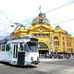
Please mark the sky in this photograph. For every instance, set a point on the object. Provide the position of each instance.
(17, 11)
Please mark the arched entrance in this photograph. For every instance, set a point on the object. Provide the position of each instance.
(43, 48)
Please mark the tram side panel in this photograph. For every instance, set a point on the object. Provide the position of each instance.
(5, 55)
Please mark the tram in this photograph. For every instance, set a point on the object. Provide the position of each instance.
(19, 52)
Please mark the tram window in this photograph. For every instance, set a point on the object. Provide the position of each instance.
(14, 52)
(21, 47)
(0, 48)
(26, 47)
(7, 47)
(32, 47)
(3, 47)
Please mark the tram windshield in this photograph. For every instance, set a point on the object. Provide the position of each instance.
(32, 46)
(29, 47)
(23, 47)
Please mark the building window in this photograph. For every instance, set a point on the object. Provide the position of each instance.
(63, 43)
(43, 35)
(56, 43)
(56, 48)
(42, 46)
(71, 50)
(55, 37)
(62, 38)
(47, 35)
(63, 48)
(35, 35)
(39, 35)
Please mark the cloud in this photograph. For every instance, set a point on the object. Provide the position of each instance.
(20, 10)
(71, 1)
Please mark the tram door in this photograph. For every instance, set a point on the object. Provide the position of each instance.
(15, 50)
(21, 55)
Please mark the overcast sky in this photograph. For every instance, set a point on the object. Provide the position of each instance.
(21, 10)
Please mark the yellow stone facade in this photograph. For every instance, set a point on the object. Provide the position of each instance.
(51, 40)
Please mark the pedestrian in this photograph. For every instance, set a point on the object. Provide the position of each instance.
(55, 56)
(67, 56)
(63, 55)
(71, 57)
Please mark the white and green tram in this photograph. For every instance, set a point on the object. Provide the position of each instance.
(19, 52)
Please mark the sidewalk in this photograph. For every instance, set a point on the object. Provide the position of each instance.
(50, 59)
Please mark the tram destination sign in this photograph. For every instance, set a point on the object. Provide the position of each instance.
(33, 39)
(3, 41)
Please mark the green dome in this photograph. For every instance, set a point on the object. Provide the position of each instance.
(41, 19)
(57, 27)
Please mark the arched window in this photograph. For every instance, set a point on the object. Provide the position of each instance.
(42, 46)
(55, 37)
(56, 43)
(62, 38)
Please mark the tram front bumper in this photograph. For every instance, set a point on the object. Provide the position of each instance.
(35, 62)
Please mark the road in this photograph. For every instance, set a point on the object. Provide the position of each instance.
(49, 67)
(68, 62)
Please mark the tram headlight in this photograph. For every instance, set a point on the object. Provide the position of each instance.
(31, 58)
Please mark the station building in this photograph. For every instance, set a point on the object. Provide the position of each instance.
(50, 40)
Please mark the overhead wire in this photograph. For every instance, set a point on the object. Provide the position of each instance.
(54, 24)
(35, 16)
(27, 19)
(59, 7)
(4, 24)
(64, 21)
(52, 10)
(5, 29)
(5, 16)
